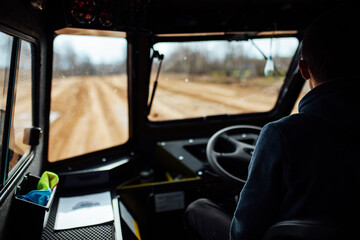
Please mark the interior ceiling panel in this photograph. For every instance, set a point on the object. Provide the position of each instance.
(190, 16)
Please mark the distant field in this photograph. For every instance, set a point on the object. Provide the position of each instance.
(90, 113)
(179, 97)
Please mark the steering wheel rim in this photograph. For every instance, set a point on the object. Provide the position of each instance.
(243, 151)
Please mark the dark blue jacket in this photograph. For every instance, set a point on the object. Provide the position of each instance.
(306, 165)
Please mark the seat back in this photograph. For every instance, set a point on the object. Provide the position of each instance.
(301, 230)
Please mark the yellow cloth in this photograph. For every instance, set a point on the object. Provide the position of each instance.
(48, 180)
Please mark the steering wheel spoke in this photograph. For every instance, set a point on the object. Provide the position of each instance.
(232, 140)
(242, 153)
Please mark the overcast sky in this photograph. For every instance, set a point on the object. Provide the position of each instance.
(108, 49)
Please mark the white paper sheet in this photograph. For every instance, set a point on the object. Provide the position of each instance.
(85, 210)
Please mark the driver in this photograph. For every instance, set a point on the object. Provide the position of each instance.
(306, 165)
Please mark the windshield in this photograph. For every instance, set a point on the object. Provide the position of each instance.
(89, 104)
(199, 79)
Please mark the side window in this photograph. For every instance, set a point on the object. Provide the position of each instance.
(22, 115)
(5, 59)
(89, 103)
(15, 103)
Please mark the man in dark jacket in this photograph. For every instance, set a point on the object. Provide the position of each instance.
(307, 165)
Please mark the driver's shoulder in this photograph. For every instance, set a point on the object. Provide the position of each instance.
(295, 122)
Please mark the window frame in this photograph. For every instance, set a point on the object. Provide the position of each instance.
(7, 178)
(77, 161)
(290, 74)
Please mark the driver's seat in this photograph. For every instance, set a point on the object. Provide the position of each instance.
(301, 230)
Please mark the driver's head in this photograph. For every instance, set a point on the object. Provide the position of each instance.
(331, 46)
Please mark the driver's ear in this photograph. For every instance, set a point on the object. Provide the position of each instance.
(304, 69)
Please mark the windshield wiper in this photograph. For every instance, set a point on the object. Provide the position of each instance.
(159, 56)
(267, 59)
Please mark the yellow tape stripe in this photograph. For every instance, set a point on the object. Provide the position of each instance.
(121, 187)
(137, 232)
(168, 177)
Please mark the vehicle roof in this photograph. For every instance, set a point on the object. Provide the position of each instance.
(228, 15)
(194, 16)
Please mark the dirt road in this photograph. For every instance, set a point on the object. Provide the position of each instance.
(91, 113)
(87, 114)
(179, 98)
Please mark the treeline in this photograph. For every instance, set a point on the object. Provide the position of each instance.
(234, 64)
(183, 60)
(71, 64)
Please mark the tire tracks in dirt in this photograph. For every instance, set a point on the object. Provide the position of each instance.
(93, 115)
(196, 99)
(70, 103)
(92, 111)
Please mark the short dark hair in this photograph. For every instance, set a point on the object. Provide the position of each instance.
(331, 46)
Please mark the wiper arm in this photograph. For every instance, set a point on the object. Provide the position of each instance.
(159, 56)
(265, 57)
(260, 51)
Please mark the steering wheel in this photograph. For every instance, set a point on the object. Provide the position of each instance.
(232, 146)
